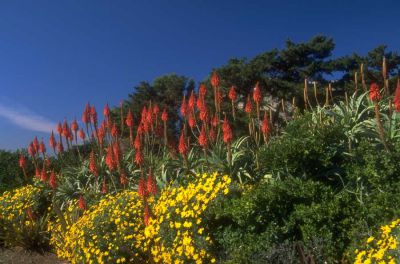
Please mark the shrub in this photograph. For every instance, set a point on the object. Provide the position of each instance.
(382, 249)
(176, 233)
(23, 215)
(109, 232)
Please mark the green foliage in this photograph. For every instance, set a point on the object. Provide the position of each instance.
(11, 175)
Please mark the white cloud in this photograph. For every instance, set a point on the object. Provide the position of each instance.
(27, 119)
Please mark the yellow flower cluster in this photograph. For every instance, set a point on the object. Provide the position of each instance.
(382, 249)
(175, 233)
(17, 208)
(108, 232)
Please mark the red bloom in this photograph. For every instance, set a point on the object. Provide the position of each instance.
(164, 115)
(214, 121)
(214, 80)
(149, 116)
(156, 109)
(117, 153)
(264, 125)
(129, 119)
(106, 111)
(227, 131)
(138, 142)
(151, 185)
(104, 188)
(142, 191)
(249, 106)
(114, 130)
(396, 99)
(82, 203)
(93, 116)
(86, 114)
(143, 115)
(74, 126)
(59, 128)
(93, 164)
(184, 107)
(183, 149)
(191, 121)
(110, 162)
(43, 175)
(139, 160)
(200, 104)
(52, 140)
(37, 173)
(36, 144)
(22, 161)
(192, 101)
(374, 92)
(202, 90)
(123, 179)
(203, 137)
(232, 93)
(257, 93)
(42, 147)
(82, 134)
(65, 129)
(52, 180)
(204, 114)
(31, 150)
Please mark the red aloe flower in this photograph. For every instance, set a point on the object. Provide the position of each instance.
(53, 142)
(123, 179)
(110, 162)
(60, 147)
(200, 104)
(52, 180)
(93, 116)
(74, 126)
(202, 90)
(129, 119)
(164, 115)
(138, 142)
(82, 203)
(36, 144)
(227, 131)
(31, 150)
(37, 173)
(151, 185)
(104, 189)
(114, 130)
(92, 164)
(191, 120)
(249, 106)
(214, 121)
(232, 94)
(86, 114)
(106, 111)
(100, 136)
(265, 125)
(117, 153)
(144, 115)
(65, 129)
(184, 107)
(146, 216)
(396, 99)
(59, 128)
(156, 109)
(42, 147)
(183, 148)
(374, 92)
(139, 160)
(82, 134)
(142, 191)
(214, 80)
(192, 101)
(257, 93)
(203, 137)
(43, 175)
(22, 161)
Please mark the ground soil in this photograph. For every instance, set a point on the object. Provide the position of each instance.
(21, 256)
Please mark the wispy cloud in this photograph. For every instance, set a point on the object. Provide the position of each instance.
(26, 119)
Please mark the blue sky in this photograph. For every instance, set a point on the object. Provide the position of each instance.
(57, 55)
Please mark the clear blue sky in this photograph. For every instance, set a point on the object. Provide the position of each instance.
(57, 55)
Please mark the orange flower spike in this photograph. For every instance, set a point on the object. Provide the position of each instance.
(146, 216)
(214, 80)
(43, 175)
(249, 106)
(22, 161)
(82, 134)
(142, 191)
(202, 90)
(164, 115)
(93, 116)
(59, 128)
(156, 109)
(52, 140)
(203, 138)
(42, 147)
(82, 203)
(227, 131)
(192, 101)
(151, 185)
(184, 107)
(74, 126)
(232, 94)
(191, 121)
(93, 164)
(106, 111)
(257, 93)
(139, 160)
(123, 179)
(374, 92)
(183, 149)
(265, 125)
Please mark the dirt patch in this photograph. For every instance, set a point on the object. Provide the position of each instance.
(21, 256)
